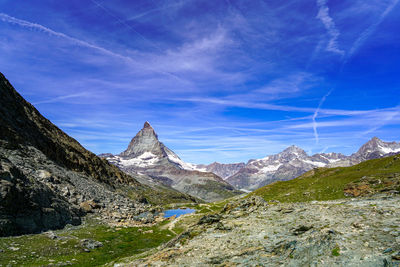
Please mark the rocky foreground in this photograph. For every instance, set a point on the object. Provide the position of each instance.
(252, 232)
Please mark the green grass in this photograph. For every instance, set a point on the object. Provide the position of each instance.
(39, 250)
(336, 251)
(202, 208)
(328, 183)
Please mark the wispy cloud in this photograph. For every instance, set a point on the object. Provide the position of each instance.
(64, 97)
(333, 32)
(384, 121)
(266, 106)
(37, 27)
(41, 28)
(314, 117)
(371, 29)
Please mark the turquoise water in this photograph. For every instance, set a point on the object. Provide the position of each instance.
(177, 212)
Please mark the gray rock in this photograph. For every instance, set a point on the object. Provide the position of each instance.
(210, 219)
(91, 244)
(301, 229)
(388, 250)
(51, 235)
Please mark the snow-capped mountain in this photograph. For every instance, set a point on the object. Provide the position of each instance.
(147, 156)
(286, 165)
(376, 148)
(293, 161)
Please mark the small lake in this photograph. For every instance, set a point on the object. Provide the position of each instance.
(177, 212)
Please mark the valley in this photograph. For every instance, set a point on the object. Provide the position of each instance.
(61, 205)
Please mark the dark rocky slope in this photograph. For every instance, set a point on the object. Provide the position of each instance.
(22, 124)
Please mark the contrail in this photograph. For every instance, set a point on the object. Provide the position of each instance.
(126, 24)
(316, 114)
(41, 28)
(333, 32)
(34, 26)
(58, 98)
(370, 30)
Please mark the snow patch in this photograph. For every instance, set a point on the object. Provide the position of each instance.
(187, 166)
(270, 168)
(315, 163)
(144, 160)
(388, 150)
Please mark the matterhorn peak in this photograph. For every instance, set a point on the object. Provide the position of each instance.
(146, 140)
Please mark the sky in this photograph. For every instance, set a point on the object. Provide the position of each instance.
(224, 80)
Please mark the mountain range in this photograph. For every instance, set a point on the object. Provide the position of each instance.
(294, 161)
(146, 155)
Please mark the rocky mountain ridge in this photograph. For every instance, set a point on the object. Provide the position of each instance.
(146, 155)
(294, 161)
(286, 165)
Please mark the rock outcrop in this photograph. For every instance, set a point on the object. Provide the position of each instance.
(28, 206)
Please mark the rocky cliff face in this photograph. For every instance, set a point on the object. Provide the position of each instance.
(46, 176)
(27, 206)
(148, 156)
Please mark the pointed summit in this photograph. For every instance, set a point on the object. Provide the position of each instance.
(372, 144)
(376, 148)
(294, 150)
(375, 139)
(146, 140)
(147, 125)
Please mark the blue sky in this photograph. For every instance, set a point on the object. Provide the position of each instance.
(219, 80)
